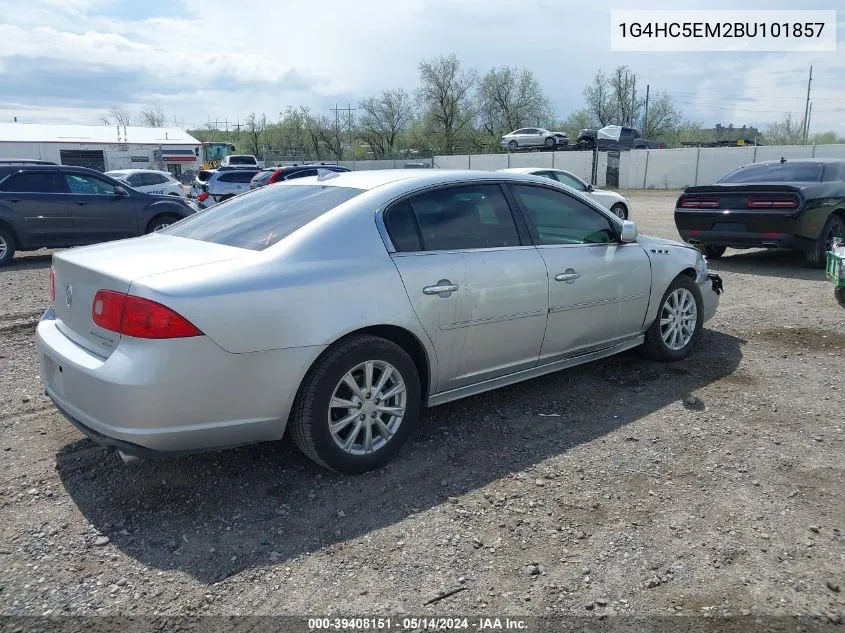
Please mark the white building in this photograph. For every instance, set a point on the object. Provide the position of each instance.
(102, 147)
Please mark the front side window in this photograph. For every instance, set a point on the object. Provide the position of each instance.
(31, 182)
(561, 219)
(455, 218)
(263, 217)
(88, 185)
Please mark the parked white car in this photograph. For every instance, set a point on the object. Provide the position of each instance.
(534, 137)
(240, 160)
(150, 181)
(611, 200)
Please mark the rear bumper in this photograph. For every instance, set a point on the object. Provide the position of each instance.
(176, 396)
(740, 230)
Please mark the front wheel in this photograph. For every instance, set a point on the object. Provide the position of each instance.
(161, 222)
(839, 293)
(677, 327)
(550, 141)
(7, 247)
(358, 405)
(513, 145)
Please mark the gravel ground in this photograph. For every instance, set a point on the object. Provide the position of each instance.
(714, 486)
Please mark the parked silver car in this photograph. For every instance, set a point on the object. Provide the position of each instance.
(534, 137)
(224, 183)
(341, 304)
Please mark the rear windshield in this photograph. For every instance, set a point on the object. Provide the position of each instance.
(241, 160)
(259, 219)
(776, 172)
(204, 175)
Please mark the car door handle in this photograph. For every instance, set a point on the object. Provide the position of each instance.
(80, 204)
(444, 288)
(14, 200)
(569, 276)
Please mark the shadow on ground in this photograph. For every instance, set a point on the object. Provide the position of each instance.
(768, 263)
(28, 262)
(216, 515)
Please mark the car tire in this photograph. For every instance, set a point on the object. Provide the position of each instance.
(7, 246)
(713, 252)
(834, 227)
(619, 210)
(550, 142)
(660, 342)
(161, 221)
(513, 145)
(839, 293)
(344, 449)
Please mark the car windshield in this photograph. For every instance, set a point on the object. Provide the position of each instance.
(776, 172)
(263, 217)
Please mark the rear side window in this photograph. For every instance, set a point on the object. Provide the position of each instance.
(455, 218)
(302, 173)
(31, 182)
(262, 217)
(262, 177)
(776, 172)
(236, 176)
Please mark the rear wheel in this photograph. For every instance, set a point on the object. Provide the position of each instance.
(7, 247)
(161, 222)
(817, 255)
(677, 327)
(358, 405)
(839, 293)
(714, 252)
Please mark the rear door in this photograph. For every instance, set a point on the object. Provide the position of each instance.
(479, 290)
(39, 207)
(598, 287)
(99, 214)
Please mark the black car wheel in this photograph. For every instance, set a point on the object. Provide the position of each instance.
(7, 247)
(550, 141)
(357, 406)
(619, 210)
(817, 255)
(513, 145)
(161, 222)
(714, 252)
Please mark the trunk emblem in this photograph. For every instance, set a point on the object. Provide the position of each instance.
(68, 295)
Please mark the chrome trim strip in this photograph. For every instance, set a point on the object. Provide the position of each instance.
(592, 304)
(495, 319)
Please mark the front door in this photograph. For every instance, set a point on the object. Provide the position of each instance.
(479, 291)
(598, 287)
(37, 200)
(99, 214)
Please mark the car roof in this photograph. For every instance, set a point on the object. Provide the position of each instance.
(128, 172)
(373, 179)
(811, 161)
(531, 170)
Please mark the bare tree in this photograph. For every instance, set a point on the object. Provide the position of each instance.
(663, 116)
(384, 118)
(626, 106)
(575, 122)
(118, 115)
(599, 96)
(510, 98)
(153, 116)
(445, 93)
(787, 131)
(255, 128)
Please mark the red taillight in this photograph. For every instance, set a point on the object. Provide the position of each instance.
(700, 203)
(771, 203)
(138, 317)
(203, 196)
(52, 285)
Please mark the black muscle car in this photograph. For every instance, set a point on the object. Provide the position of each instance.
(793, 204)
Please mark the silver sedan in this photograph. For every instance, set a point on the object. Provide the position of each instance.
(339, 305)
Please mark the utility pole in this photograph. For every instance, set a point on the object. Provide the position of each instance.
(633, 101)
(645, 117)
(807, 106)
(337, 110)
(809, 115)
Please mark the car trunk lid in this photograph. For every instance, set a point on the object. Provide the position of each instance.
(80, 273)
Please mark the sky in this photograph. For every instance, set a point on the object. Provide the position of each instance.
(69, 61)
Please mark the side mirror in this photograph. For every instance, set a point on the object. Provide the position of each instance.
(589, 189)
(629, 232)
(119, 192)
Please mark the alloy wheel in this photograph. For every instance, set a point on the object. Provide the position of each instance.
(367, 407)
(678, 318)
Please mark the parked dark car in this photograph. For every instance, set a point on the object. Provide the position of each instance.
(794, 204)
(55, 206)
(276, 174)
(24, 161)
